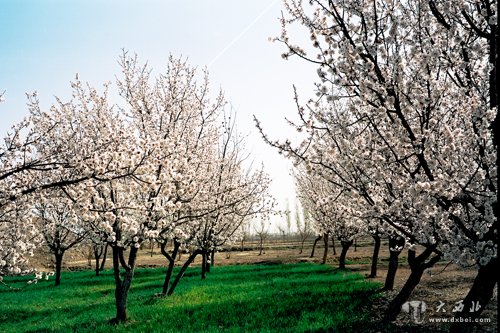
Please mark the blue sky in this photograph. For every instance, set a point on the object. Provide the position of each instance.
(45, 43)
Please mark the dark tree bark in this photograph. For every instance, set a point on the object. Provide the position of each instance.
(418, 265)
(376, 250)
(355, 245)
(333, 246)
(97, 256)
(203, 265)
(325, 252)
(171, 263)
(182, 271)
(396, 245)
(58, 258)
(212, 258)
(122, 284)
(314, 245)
(99, 251)
(345, 248)
(481, 292)
(104, 256)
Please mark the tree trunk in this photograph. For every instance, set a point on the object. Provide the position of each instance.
(417, 267)
(302, 245)
(333, 245)
(208, 261)
(396, 245)
(203, 265)
(355, 245)
(212, 258)
(261, 246)
(104, 256)
(345, 248)
(171, 264)
(58, 258)
(122, 286)
(325, 252)
(314, 245)
(97, 256)
(182, 271)
(376, 250)
(480, 293)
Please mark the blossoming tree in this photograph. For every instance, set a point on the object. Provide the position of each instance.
(417, 80)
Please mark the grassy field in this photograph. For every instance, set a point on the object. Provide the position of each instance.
(240, 298)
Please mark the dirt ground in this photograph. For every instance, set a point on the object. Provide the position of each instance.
(443, 285)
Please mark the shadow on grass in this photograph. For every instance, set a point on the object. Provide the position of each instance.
(253, 298)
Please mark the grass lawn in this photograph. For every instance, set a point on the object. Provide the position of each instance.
(244, 298)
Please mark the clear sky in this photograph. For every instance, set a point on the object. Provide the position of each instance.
(45, 43)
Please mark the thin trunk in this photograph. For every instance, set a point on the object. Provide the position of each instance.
(376, 250)
(314, 245)
(182, 271)
(261, 246)
(58, 257)
(417, 266)
(478, 297)
(122, 286)
(333, 245)
(97, 256)
(302, 245)
(207, 263)
(325, 252)
(171, 263)
(104, 256)
(152, 249)
(89, 257)
(345, 248)
(355, 245)
(203, 265)
(212, 258)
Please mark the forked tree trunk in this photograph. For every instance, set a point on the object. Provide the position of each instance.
(58, 258)
(261, 246)
(325, 252)
(99, 251)
(396, 245)
(314, 245)
(182, 271)
(417, 265)
(376, 250)
(345, 248)
(171, 263)
(122, 285)
(480, 293)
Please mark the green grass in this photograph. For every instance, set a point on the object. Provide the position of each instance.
(246, 298)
